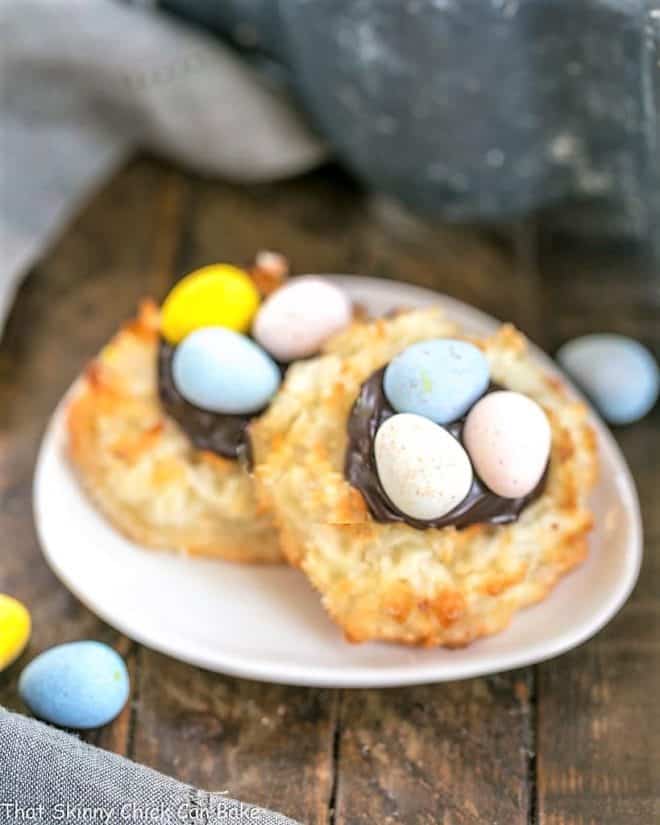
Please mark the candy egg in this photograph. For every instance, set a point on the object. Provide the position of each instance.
(439, 379)
(224, 372)
(218, 295)
(15, 628)
(296, 320)
(620, 375)
(508, 437)
(76, 685)
(423, 469)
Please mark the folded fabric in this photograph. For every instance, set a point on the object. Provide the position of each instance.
(473, 110)
(464, 111)
(49, 776)
(85, 83)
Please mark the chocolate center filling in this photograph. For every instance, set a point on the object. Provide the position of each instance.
(370, 410)
(226, 435)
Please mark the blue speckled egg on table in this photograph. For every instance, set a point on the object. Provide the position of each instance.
(439, 379)
(224, 372)
(76, 685)
(619, 375)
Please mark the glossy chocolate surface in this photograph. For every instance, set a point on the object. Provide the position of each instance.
(480, 506)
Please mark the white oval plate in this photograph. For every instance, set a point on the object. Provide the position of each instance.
(267, 623)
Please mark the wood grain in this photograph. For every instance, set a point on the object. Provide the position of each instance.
(311, 220)
(456, 754)
(71, 303)
(267, 744)
(598, 716)
(573, 741)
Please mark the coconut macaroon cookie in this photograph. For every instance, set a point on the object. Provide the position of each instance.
(159, 425)
(429, 484)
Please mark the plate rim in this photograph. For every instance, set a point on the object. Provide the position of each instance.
(356, 676)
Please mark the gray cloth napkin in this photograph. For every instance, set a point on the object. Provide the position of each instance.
(84, 82)
(49, 776)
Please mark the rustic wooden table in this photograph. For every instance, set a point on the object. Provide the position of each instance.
(575, 740)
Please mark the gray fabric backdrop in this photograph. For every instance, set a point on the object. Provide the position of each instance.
(467, 110)
(83, 83)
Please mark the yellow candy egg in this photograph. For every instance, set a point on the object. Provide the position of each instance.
(219, 295)
(15, 628)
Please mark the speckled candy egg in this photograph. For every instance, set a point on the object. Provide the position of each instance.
(216, 295)
(77, 685)
(15, 627)
(296, 320)
(224, 372)
(439, 379)
(508, 438)
(423, 469)
(618, 374)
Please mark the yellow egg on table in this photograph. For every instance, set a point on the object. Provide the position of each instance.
(218, 295)
(15, 628)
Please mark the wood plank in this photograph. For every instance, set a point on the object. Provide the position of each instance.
(312, 220)
(610, 286)
(456, 754)
(261, 743)
(599, 724)
(492, 271)
(86, 285)
(598, 715)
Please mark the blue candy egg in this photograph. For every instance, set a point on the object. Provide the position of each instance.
(77, 685)
(618, 374)
(439, 379)
(222, 371)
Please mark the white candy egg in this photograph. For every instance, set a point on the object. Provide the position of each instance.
(508, 438)
(424, 470)
(297, 319)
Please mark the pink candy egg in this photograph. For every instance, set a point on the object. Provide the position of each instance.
(508, 438)
(297, 319)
